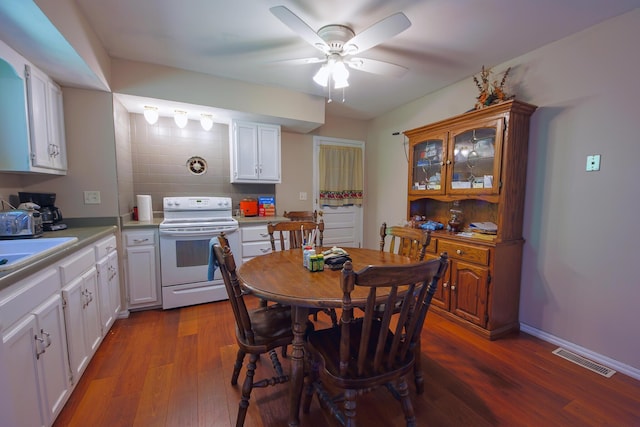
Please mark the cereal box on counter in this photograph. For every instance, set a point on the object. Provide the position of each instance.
(266, 206)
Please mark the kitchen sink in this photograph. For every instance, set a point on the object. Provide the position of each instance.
(20, 252)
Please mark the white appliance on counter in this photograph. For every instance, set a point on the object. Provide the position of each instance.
(188, 226)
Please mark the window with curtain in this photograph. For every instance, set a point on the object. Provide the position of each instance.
(340, 175)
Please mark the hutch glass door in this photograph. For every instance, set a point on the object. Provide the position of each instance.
(427, 166)
(475, 165)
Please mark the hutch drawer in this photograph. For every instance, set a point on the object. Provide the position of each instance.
(464, 252)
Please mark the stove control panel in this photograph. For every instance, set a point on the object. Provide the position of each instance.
(196, 203)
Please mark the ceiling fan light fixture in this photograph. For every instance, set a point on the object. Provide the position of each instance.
(206, 121)
(340, 75)
(322, 76)
(340, 83)
(180, 118)
(151, 114)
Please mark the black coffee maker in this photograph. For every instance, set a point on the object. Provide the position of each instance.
(50, 214)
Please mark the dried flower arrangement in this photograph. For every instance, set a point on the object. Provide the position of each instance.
(490, 92)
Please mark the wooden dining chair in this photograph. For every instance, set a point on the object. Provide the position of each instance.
(364, 353)
(301, 215)
(413, 243)
(407, 241)
(258, 331)
(299, 232)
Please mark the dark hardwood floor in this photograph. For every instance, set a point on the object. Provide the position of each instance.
(172, 368)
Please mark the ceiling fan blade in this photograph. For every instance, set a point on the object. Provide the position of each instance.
(377, 33)
(300, 61)
(376, 67)
(299, 27)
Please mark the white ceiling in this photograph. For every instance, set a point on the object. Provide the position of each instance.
(449, 40)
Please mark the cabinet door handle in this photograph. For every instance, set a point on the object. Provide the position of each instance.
(264, 234)
(453, 287)
(47, 336)
(39, 347)
(445, 285)
(265, 250)
(140, 240)
(459, 251)
(448, 162)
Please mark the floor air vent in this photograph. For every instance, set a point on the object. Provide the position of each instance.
(585, 363)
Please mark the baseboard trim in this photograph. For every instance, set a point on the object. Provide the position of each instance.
(596, 357)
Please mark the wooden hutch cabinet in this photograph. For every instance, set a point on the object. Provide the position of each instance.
(474, 167)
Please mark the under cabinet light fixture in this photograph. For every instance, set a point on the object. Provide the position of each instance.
(151, 114)
(180, 117)
(206, 121)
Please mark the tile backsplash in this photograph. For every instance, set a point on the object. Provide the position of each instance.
(160, 156)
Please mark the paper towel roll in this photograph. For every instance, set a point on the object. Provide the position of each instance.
(145, 209)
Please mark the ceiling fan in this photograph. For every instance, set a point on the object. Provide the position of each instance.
(341, 45)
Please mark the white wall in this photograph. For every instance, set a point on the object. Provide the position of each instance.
(579, 282)
(91, 157)
(297, 161)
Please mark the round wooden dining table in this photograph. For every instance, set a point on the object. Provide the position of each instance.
(281, 277)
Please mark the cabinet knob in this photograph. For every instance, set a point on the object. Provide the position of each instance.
(445, 285)
(453, 287)
(448, 162)
(459, 252)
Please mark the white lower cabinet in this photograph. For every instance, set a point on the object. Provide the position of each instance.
(255, 241)
(82, 315)
(51, 324)
(108, 282)
(142, 268)
(34, 353)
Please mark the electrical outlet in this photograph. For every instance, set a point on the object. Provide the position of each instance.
(303, 195)
(593, 163)
(92, 197)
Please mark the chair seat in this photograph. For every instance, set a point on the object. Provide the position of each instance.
(326, 344)
(271, 326)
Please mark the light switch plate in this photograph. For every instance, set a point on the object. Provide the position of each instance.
(303, 195)
(92, 197)
(593, 162)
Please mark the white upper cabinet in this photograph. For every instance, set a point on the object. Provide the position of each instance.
(255, 153)
(45, 120)
(32, 137)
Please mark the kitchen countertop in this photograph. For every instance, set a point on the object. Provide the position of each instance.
(142, 224)
(85, 235)
(242, 220)
(259, 219)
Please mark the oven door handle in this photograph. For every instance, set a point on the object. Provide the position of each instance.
(196, 233)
